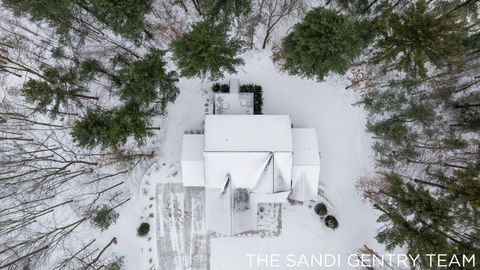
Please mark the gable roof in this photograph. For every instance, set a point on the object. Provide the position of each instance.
(248, 133)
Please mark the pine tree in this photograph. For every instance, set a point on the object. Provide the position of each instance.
(426, 127)
(125, 17)
(467, 112)
(132, 119)
(421, 35)
(146, 81)
(93, 129)
(58, 13)
(464, 189)
(104, 217)
(325, 41)
(60, 87)
(206, 51)
(225, 9)
(415, 219)
(112, 128)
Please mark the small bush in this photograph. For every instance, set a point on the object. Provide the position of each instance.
(321, 209)
(104, 216)
(221, 88)
(257, 96)
(143, 229)
(331, 222)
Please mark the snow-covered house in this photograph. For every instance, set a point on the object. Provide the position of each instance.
(243, 160)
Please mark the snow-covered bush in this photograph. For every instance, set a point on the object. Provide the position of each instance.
(321, 209)
(143, 229)
(331, 222)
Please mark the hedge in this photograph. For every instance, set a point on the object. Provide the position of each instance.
(220, 88)
(257, 96)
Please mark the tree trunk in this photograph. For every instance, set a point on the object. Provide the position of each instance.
(86, 97)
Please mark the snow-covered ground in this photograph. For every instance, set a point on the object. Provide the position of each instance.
(345, 157)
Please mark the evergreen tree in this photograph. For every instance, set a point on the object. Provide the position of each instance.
(225, 9)
(91, 67)
(325, 41)
(132, 119)
(60, 87)
(419, 221)
(125, 17)
(464, 189)
(421, 35)
(146, 81)
(206, 50)
(93, 129)
(425, 127)
(467, 111)
(59, 14)
(104, 216)
(112, 128)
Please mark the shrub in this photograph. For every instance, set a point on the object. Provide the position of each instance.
(104, 216)
(221, 88)
(321, 209)
(331, 222)
(143, 229)
(257, 96)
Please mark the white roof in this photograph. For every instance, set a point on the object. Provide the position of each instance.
(305, 147)
(192, 160)
(248, 133)
(192, 147)
(305, 180)
(279, 197)
(244, 169)
(218, 211)
(230, 211)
